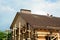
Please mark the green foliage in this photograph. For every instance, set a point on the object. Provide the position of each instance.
(2, 35)
(9, 36)
(5, 35)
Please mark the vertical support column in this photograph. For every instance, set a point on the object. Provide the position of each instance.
(29, 32)
(13, 34)
(35, 35)
(58, 36)
(19, 30)
(23, 37)
(15, 31)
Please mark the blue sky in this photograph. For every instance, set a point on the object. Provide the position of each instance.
(8, 9)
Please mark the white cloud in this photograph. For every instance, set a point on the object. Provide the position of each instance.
(38, 0)
(43, 7)
(7, 9)
(37, 6)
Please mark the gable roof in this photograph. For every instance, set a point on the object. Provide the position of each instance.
(40, 21)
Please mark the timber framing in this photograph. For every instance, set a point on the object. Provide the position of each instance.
(27, 26)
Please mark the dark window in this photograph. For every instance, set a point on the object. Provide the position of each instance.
(27, 26)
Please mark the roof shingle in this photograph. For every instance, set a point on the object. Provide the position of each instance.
(40, 20)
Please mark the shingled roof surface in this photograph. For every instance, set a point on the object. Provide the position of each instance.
(40, 20)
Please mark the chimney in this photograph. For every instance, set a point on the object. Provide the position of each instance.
(25, 11)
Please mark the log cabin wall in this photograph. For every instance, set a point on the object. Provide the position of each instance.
(18, 29)
(34, 34)
(22, 31)
(43, 33)
(15, 28)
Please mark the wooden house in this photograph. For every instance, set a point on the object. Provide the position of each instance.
(28, 26)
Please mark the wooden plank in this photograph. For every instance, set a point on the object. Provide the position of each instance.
(41, 39)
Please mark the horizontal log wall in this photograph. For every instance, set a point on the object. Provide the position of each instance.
(42, 34)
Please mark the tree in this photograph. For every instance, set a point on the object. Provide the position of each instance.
(5, 35)
(8, 36)
(2, 35)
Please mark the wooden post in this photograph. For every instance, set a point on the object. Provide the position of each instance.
(13, 34)
(15, 31)
(58, 36)
(34, 34)
(19, 30)
(29, 32)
